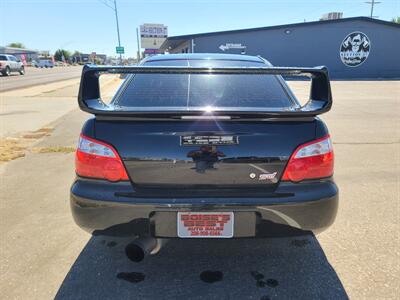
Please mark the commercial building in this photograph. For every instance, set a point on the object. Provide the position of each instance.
(86, 58)
(352, 48)
(27, 55)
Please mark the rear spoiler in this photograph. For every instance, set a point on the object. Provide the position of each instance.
(320, 100)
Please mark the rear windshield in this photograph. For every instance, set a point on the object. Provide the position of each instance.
(3, 57)
(203, 91)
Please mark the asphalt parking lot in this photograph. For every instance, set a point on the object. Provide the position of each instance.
(45, 255)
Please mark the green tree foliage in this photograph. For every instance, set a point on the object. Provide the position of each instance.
(98, 61)
(396, 20)
(16, 45)
(58, 56)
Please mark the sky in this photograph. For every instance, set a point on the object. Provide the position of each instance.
(89, 25)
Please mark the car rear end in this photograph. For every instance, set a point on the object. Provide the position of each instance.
(3, 63)
(186, 152)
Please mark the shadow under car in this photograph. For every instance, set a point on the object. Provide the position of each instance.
(282, 268)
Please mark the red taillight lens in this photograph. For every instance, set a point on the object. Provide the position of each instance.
(96, 159)
(310, 161)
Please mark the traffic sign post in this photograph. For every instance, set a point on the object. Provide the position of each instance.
(120, 50)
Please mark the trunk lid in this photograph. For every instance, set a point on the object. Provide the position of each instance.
(205, 154)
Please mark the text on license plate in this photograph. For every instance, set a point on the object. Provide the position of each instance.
(205, 224)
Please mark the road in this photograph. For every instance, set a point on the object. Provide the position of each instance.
(45, 255)
(36, 76)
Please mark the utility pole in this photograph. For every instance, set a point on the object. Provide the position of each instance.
(138, 45)
(372, 2)
(106, 3)
(119, 40)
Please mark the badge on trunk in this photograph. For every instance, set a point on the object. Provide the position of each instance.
(192, 140)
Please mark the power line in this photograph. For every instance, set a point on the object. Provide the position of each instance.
(372, 2)
(106, 4)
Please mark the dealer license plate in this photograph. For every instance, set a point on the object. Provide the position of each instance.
(205, 224)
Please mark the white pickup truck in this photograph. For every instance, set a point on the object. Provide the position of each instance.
(9, 63)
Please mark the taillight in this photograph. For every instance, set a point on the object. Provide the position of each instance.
(96, 159)
(310, 161)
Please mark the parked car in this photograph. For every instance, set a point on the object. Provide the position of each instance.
(9, 63)
(203, 146)
(43, 63)
(60, 64)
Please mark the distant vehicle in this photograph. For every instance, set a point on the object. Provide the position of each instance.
(43, 63)
(9, 63)
(203, 146)
(60, 64)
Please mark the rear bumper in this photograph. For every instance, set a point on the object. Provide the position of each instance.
(294, 209)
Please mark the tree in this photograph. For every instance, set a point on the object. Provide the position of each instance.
(16, 45)
(62, 55)
(76, 56)
(98, 61)
(396, 20)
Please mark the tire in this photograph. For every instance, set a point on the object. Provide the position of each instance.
(7, 71)
(22, 70)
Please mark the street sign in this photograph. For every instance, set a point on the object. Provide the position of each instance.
(120, 50)
(151, 51)
(153, 35)
(229, 46)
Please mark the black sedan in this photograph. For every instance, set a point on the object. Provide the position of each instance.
(203, 146)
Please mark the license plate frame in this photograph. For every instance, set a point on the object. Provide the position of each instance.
(205, 224)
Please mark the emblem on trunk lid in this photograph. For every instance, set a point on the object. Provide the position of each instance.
(190, 140)
(268, 176)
